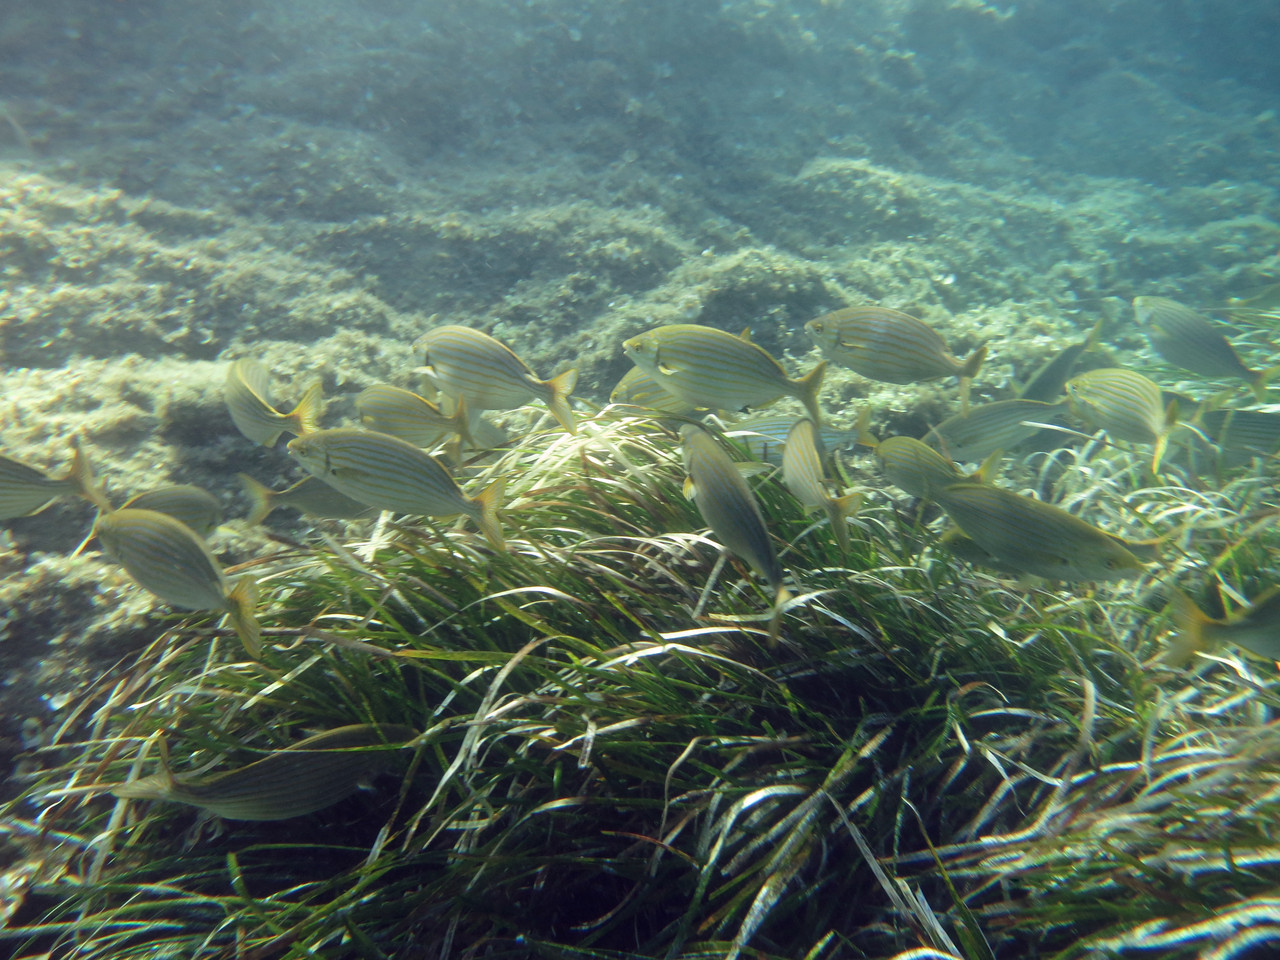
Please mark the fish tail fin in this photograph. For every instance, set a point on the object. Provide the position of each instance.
(82, 478)
(243, 598)
(460, 423)
(986, 470)
(261, 497)
(807, 388)
(775, 619)
(1260, 381)
(1190, 636)
(863, 426)
(838, 508)
(558, 402)
(1092, 337)
(305, 417)
(968, 370)
(1162, 441)
(488, 500)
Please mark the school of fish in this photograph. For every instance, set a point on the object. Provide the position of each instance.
(688, 379)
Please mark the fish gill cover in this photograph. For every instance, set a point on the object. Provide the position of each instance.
(937, 757)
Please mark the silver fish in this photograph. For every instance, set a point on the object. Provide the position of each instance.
(311, 496)
(404, 414)
(485, 372)
(248, 397)
(1187, 340)
(196, 507)
(392, 474)
(168, 559)
(310, 775)
(802, 473)
(727, 504)
(891, 346)
(711, 368)
(25, 490)
(1036, 537)
(973, 436)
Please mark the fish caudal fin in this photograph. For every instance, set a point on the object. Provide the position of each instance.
(460, 423)
(807, 388)
(488, 500)
(1260, 381)
(968, 370)
(1189, 631)
(82, 479)
(558, 402)
(261, 497)
(305, 417)
(863, 426)
(838, 508)
(243, 598)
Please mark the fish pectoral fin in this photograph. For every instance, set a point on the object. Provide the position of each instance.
(690, 491)
(666, 369)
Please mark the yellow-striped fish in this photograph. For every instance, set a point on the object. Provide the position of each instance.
(973, 436)
(641, 390)
(473, 366)
(25, 490)
(404, 414)
(710, 368)
(168, 559)
(891, 346)
(310, 775)
(248, 396)
(802, 473)
(311, 496)
(1256, 628)
(196, 507)
(1035, 537)
(765, 434)
(392, 474)
(912, 465)
(728, 506)
(1192, 342)
(1125, 404)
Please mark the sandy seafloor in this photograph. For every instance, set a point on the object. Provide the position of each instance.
(314, 184)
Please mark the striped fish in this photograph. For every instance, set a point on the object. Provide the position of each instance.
(308, 776)
(764, 436)
(1186, 339)
(1125, 404)
(25, 490)
(1033, 537)
(313, 497)
(196, 507)
(891, 346)
(710, 368)
(392, 474)
(973, 436)
(727, 504)
(166, 558)
(1047, 383)
(641, 390)
(912, 465)
(404, 414)
(1256, 628)
(802, 473)
(474, 367)
(248, 397)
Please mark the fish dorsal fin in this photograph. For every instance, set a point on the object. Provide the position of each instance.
(745, 334)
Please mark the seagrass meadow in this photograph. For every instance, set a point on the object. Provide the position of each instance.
(615, 755)
(615, 763)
